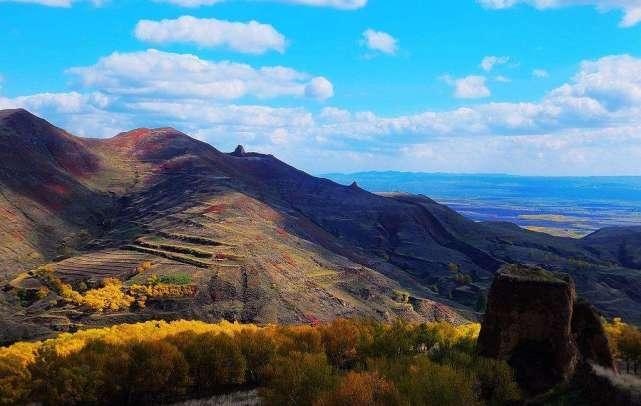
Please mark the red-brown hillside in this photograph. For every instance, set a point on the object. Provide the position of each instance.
(258, 239)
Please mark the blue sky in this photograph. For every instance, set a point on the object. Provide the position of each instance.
(547, 87)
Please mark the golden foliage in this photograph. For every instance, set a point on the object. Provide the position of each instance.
(109, 297)
(144, 266)
(362, 389)
(343, 362)
(298, 379)
(163, 290)
(625, 343)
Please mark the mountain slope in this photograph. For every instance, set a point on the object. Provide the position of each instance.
(254, 238)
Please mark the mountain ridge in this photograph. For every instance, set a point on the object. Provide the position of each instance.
(258, 239)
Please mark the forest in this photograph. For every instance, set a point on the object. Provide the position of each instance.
(344, 362)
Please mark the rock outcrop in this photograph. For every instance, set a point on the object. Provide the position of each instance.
(590, 336)
(534, 322)
(239, 151)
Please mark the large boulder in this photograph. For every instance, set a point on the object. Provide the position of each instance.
(528, 323)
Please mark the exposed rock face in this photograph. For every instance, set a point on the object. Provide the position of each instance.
(239, 151)
(534, 322)
(590, 336)
(528, 323)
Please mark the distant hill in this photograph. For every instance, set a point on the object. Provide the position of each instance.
(255, 239)
(562, 206)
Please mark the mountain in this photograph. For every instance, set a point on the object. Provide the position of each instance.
(255, 239)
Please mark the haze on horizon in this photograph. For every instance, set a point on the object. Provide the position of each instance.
(485, 86)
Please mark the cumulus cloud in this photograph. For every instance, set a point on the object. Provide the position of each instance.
(469, 87)
(631, 8)
(319, 88)
(54, 3)
(338, 4)
(251, 37)
(489, 62)
(590, 125)
(380, 41)
(154, 73)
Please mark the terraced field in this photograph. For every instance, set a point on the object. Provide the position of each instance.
(106, 264)
(188, 249)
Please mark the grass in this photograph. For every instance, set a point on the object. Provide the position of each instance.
(178, 279)
(181, 249)
(529, 273)
(175, 257)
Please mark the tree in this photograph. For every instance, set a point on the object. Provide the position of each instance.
(630, 348)
(298, 379)
(361, 389)
(341, 339)
(259, 349)
(215, 361)
(157, 371)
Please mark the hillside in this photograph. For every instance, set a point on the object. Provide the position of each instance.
(243, 236)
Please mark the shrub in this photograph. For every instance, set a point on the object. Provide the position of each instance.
(144, 266)
(259, 349)
(110, 297)
(78, 377)
(161, 290)
(343, 362)
(341, 340)
(215, 360)
(157, 371)
(298, 379)
(15, 381)
(361, 389)
(423, 382)
(299, 338)
(496, 381)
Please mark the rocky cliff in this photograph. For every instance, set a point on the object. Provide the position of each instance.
(535, 322)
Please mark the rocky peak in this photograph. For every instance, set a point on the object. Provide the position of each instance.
(239, 151)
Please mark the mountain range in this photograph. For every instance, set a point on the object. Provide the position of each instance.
(258, 240)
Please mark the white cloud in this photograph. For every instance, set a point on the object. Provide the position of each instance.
(469, 87)
(154, 73)
(251, 37)
(380, 41)
(540, 73)
(339, 4)
(631, 8)
(590, 125)
(319, 88)
(489, 62)
(613, 81)
(54, 3)
(280, 136)
(191, 3)
(502, 79)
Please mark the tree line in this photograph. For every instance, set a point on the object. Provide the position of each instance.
(345, 362)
